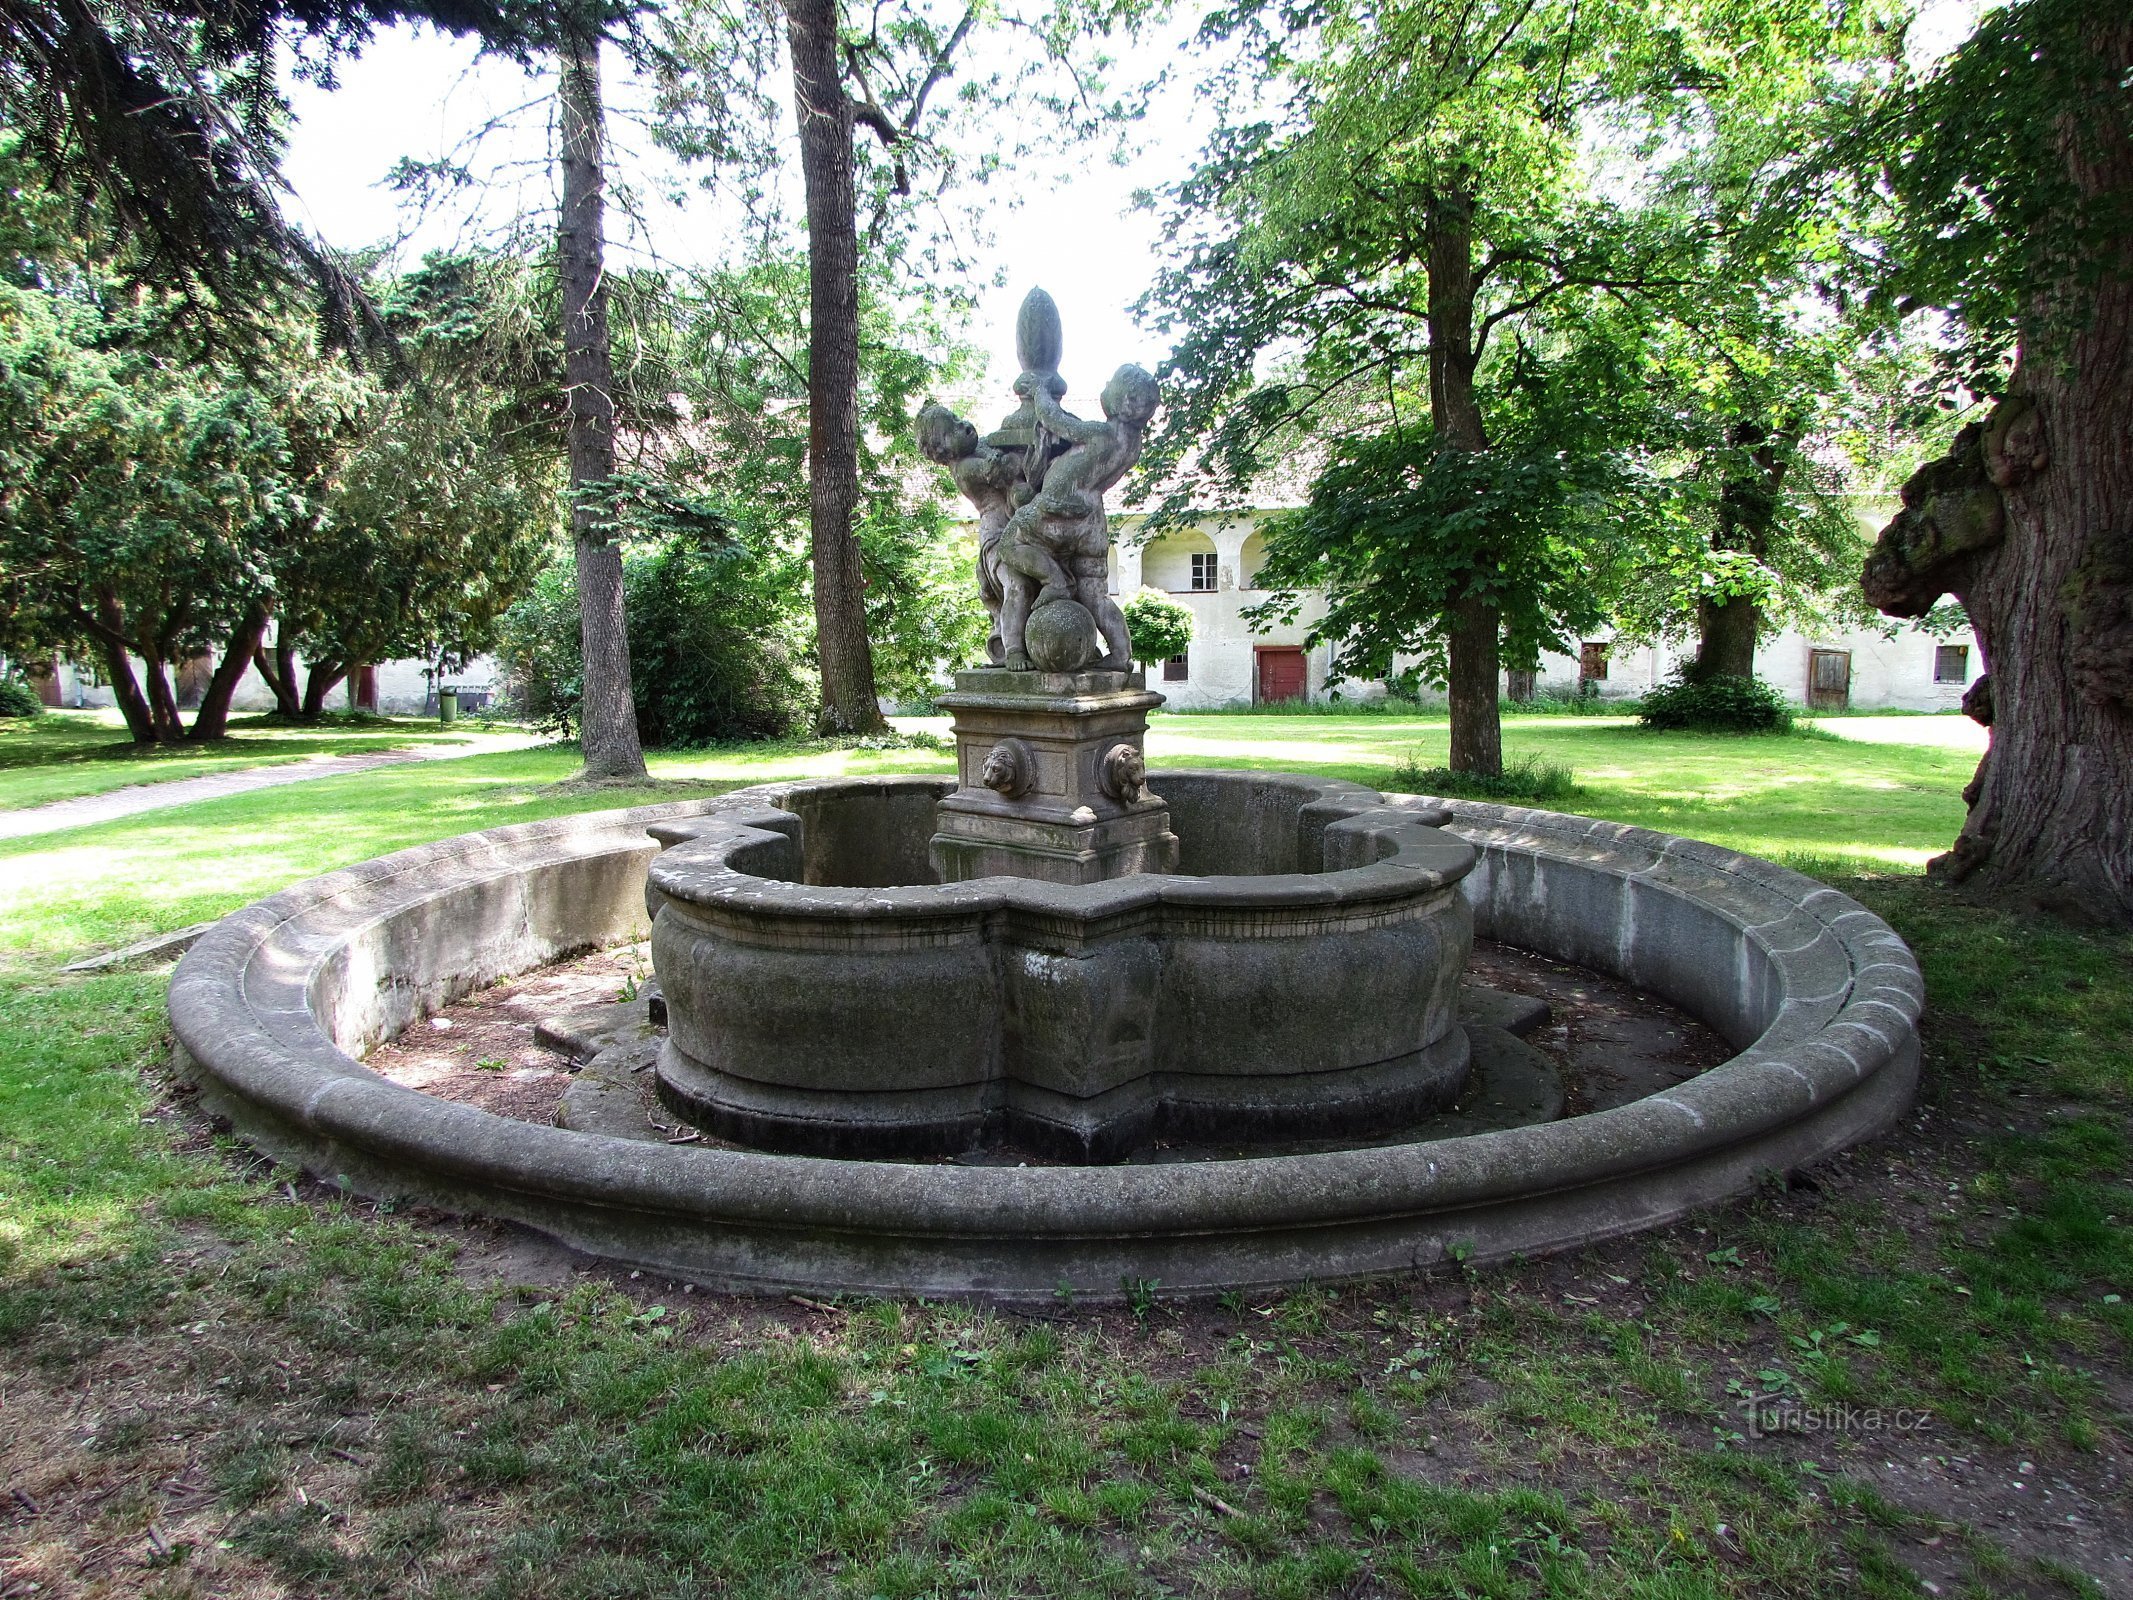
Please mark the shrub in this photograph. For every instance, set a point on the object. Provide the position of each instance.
(1720, 704)
(1558, 702)
(17, 698)
(1161, 627)
(709, 659)
(1526, 778)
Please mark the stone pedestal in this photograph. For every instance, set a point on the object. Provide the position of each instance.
(1052, 779)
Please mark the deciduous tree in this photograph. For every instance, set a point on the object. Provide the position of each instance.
(2010, 165)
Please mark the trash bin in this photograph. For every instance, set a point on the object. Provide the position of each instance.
(447, 705)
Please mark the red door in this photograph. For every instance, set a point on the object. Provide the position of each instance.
(1281, 674)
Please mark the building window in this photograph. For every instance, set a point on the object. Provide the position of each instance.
(1592, 661)
(1951, 664)
(1174, 670)
(1203, 572)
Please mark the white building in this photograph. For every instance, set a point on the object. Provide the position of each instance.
(1213, 567)
(403, 687)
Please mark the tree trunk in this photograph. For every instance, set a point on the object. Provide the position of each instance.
(278, 668)
(110, 630)
(2051, 808)
(212, 720)
(607, 726)
(850, 702)
(318, 683)
(1473, 627)
(162, 698)
(1477, 720)
(2039, 505)
(1725, 638)
(126, 690)
(1747, 507)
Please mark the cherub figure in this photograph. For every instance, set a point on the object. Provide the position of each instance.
(987, 478)
(1060, 542)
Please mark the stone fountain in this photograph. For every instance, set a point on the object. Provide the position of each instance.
(1049, 735)
(1053, 965)
(1214, 1035)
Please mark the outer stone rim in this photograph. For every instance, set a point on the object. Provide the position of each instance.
(1822, 997)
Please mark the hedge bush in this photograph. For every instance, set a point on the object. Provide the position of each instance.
(17, 698)
(710, 662)
(1526, 777)
(1720, 704)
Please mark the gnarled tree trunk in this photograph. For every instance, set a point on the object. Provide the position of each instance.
(2029, 521)
(607, 729)
(850, 701)
(1473, 627)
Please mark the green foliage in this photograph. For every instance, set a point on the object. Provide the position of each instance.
(17, 698)
(1991, 158)
(1399, 530)
(1526, 777)
(1716, 704)
(1557, 702)
(712, 658)
(1160, 626)
(152, 490)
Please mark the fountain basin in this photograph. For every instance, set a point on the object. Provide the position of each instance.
(824, 996)
(274, 1005)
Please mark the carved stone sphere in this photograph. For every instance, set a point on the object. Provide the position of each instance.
(1062, 637)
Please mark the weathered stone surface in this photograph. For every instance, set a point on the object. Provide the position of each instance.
(1077, 1019)
(1040, 756)
(1038, 482)
(267, 1007)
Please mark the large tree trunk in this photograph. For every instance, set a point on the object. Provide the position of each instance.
(1477, 720)
(212, 720)
(318, 683)
(1725, 638)
(607, 727)
(278, 667)
(2029, 521)
(1747, 507)
(162, 697)
(126, 690)
(1473, 627)
(850, 702)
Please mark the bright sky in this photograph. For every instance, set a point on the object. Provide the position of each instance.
(414, 93)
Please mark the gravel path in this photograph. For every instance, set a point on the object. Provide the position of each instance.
(86, 810)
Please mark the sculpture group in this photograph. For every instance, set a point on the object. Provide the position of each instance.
(1038, 483)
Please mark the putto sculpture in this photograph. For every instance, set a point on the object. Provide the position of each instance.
(1038, 483)
(1052, 780)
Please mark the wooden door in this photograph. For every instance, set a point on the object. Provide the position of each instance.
(1281, 673)
(1829, 680)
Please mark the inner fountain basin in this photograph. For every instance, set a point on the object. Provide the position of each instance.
(1819, 999)
(1299, 974)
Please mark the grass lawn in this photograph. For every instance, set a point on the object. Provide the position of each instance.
(217, 1379)
(63, 754)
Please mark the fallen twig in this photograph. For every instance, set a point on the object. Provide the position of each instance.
(1214, 1502)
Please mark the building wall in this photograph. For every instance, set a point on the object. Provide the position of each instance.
(402, 688)
(1221, 667)
(1886, 673)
